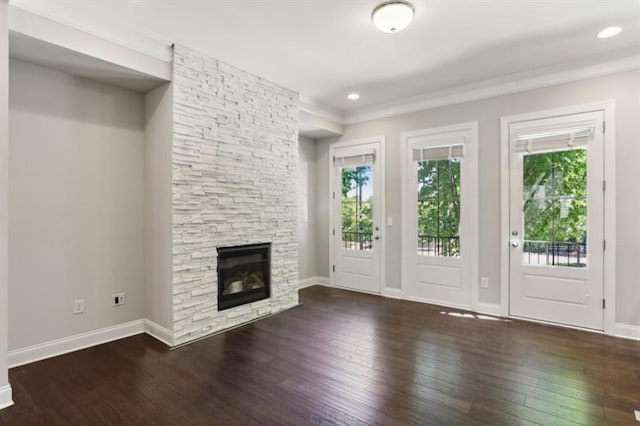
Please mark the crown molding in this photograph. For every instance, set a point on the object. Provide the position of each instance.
(313, 107)
(318, 121)
(49, 43)
(513, 83)
(153, 45)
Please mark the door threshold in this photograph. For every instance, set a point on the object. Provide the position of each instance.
(434, 302)
(557, 324)
(373, 293)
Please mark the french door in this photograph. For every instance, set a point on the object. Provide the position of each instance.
(357, 231)
(557, 219)
(440, 216)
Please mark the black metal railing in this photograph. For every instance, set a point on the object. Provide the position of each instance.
(555, 253)
(430, 245)
(357, 241)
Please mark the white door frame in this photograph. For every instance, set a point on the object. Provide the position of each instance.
(380, 180)
(472, 207)
(609, 278)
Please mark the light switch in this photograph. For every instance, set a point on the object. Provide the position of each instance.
(389, 221)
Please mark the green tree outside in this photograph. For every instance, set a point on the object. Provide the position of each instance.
(439, 198)
(555, 196)
(357, 213)
(554, 202)
(439, 206)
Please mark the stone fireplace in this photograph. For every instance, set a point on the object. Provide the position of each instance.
(244, 274)
(234, 187)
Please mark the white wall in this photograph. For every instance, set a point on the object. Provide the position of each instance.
(157, 220)
(5, 389)
(322, 206)
(307, 253)
(624, 88)
(76, 204)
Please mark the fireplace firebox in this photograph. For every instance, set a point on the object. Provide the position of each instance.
(244, 274)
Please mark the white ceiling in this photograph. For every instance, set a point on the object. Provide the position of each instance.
(325, 49)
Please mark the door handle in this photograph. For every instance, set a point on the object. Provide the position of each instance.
(515, 243)
(377, 237)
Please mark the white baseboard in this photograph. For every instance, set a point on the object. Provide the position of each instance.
(308, 282)
(73, 343)
(324, 281)
(393, 293)
(5, 397)
(158, 332)
(627, 331)
(489, 309)
(22, 356)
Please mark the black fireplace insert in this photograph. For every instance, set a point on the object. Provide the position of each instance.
(244, 274)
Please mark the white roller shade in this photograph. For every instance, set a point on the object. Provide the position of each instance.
(554, 140)
(355, 160)
(442, 152)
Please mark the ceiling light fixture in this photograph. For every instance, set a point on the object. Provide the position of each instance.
(392, 16)
(609, 32)
(353, 96)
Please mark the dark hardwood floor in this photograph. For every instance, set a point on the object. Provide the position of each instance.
(342, 358)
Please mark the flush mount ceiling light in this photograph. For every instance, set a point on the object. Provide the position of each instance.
(353, 96)
(393, 15)
(609, 32)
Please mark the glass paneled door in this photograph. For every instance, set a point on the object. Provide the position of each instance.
(356, 233)
(440, 217)
(556, 260)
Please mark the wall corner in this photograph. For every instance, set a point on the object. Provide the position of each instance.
(5, 388)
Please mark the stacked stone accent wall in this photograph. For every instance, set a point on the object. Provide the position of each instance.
(234, 166)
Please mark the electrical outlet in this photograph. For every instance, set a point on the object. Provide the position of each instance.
(484, 282)
(118, 299)
(78, 306)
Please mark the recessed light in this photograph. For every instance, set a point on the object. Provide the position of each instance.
(353, 96)
(609, 32)
(392, 16)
